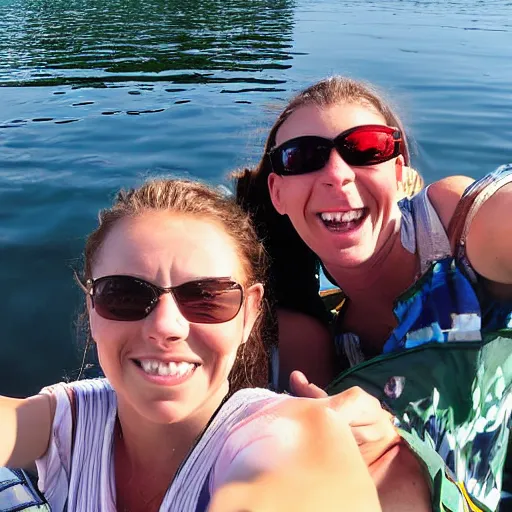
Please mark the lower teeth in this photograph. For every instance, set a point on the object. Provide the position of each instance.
(340, 225)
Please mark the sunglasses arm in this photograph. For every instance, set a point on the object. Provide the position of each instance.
(82, 286)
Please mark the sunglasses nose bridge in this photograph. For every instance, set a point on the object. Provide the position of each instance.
(336, 170)
(159, 292)
(165, 322)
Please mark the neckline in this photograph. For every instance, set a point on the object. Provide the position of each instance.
(111, 496)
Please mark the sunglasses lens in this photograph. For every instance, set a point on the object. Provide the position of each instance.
(369, 146)
(209, 301)
(302, 155)
(122, 298)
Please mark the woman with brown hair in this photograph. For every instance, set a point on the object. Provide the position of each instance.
(426, 282)
(174, 283)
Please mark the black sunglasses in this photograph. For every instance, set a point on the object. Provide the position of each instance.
(360, 146)
(212, 300)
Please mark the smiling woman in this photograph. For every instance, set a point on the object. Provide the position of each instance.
(173, 279)
(424, 316)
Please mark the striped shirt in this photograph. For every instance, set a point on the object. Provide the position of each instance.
(234, 442)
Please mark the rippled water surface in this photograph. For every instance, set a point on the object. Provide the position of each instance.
(99, 94)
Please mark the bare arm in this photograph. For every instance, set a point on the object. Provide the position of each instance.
(445, 195)
(398, 475)
(25, 427)
(489, 241)
(315, 466)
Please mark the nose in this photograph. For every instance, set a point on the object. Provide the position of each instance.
(165, 324)
(336, 172)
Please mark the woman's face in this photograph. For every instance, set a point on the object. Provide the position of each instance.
(168, 250)
(344, 213)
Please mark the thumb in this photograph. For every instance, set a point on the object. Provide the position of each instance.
(301, 387)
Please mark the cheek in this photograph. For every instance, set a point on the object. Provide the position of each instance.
(380, 184)
(99, 327)
(100, 336)
(108, 335)
(297, 193)
(219, 342)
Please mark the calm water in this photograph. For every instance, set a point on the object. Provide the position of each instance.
(98, 94)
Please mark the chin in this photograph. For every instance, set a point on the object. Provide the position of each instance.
(350, 257)
(166, 413)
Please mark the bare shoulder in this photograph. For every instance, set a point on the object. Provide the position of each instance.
(43, 402)
(445, 195)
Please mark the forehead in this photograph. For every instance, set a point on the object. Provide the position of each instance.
(168, 249)
(327, 121)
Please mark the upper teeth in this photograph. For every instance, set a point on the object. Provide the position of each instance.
(171, 368)
(342, 216)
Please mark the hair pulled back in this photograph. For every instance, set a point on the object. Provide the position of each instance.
(293, 266)
(200, 201)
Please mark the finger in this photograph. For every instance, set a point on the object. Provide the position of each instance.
(359, 408)
(300, 386)
(381, 432)
(375, 441)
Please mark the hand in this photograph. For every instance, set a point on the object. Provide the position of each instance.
(372, 426)
(395, 470)
(308, 461)
(300, 386)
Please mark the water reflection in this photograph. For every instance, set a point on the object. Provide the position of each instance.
(99, 42)
(124, 89)
(187, 88)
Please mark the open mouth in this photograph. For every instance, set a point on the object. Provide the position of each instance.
(341, 222)
(170, 369)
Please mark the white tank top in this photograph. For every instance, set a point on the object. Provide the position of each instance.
(82, 479)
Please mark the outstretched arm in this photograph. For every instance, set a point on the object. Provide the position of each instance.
(25, 427)
(489, 241)
(489, 235)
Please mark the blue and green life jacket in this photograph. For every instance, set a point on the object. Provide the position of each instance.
(446, 369)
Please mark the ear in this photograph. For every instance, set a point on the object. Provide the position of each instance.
(89, 307)
(275, 184)
(252, 309)
(399, 169)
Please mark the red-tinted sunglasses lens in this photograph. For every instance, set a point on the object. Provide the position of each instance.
(126, 298)
(360, 146)
(368, 146)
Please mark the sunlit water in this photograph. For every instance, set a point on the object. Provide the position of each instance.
(99, 94)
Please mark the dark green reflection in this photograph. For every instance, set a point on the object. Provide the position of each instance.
(102, 41)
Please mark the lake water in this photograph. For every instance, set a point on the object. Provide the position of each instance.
(98, 94)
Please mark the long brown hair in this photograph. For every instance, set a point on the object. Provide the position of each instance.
(200, 201)
(294, 267)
